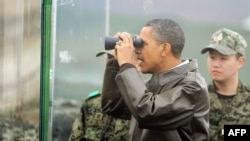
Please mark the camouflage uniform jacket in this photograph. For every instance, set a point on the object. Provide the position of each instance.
(93, 125)
(235, 112)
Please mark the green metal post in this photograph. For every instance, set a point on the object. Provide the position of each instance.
(45, 69)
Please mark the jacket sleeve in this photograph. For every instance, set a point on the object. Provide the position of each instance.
(112, 102)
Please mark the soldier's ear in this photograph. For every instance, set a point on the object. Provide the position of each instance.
(241, 61)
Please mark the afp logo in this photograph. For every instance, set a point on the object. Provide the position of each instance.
(239, 132)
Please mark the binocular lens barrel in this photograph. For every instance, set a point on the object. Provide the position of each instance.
(110, 42)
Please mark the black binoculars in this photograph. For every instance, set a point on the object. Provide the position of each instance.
(110, 42)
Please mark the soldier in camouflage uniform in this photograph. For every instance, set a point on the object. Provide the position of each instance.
(229, 97)
(93, 125)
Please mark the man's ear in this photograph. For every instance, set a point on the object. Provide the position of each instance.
(166, 49)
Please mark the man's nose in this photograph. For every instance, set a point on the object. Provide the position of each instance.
(216, 63)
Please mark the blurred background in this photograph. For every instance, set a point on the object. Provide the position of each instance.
(79, 28)
(82, 25)
(20, 54)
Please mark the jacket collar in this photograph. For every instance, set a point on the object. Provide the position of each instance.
(175, 72)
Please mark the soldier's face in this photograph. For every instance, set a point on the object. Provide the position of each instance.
(222, 67)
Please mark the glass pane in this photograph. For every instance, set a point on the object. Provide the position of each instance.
(80, 28)
(78, 36)
(19, 69)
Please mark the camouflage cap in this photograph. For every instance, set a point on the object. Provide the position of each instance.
(109, 52)
(227, 42)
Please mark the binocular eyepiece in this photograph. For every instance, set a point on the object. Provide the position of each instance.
(110, 42)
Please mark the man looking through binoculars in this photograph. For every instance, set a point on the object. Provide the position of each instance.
(173, 105)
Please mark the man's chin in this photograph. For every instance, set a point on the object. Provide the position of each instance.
(143, 71)
(146, 71)
(216, 79)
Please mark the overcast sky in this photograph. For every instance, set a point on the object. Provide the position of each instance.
(221, 11)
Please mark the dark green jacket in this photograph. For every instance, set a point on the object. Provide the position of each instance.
(172, 106)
